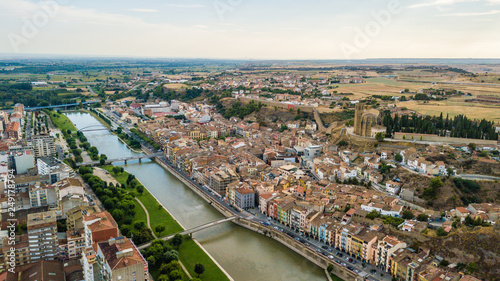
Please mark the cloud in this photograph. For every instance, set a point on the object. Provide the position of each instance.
(441, 3)
(144, 10)
(472, 14)
(200, 26)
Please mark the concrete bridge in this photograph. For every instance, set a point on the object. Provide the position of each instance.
(123, 159)
(191, 231)
(64, 106)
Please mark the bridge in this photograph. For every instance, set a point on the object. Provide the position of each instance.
(58, 106)
(191, 231)
(123, 159)
(91, 128)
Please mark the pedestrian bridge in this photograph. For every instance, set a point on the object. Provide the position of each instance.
(123, 159)
(192, 230)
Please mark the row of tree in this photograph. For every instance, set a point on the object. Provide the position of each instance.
(460, 126)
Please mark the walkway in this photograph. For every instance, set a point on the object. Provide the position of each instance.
(147, 217)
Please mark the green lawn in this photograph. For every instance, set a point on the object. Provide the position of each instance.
(157, 215)
(60, 121)
(140, 214)
(190, 254)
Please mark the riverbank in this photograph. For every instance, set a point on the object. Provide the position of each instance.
(190, 252)
(245, 254)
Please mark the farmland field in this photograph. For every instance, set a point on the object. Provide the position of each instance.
(453, 108)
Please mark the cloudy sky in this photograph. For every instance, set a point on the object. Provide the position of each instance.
(253, 29)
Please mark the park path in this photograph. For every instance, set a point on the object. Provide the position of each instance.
(147, 217)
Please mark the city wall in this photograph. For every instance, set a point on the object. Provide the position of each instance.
(286, 106)
(435, 138)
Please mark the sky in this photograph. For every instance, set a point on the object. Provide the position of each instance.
(253, 29)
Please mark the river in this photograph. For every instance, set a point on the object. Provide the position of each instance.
(244, 254)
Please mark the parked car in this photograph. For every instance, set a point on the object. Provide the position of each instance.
(330, 257)
(324, 247)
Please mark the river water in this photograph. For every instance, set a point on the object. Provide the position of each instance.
(244, 254)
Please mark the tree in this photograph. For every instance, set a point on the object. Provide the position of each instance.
(380, 136)
(398, 157)
(176, 241)
(408, 215)
(373, 214)
(441, 232)
(343, 143)
(160, 229)
(199, 269)
(140, 189)
(175, 275)
(422, 217)
(472, 146)
(330, 268)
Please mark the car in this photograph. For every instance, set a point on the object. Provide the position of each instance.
(318, 250)
(344, 264)
(356, 270)
(350, 260)
(307, 244)
(268, 218)
(372, 271)
(324, 247)
(277, 228)
(350, 268)
(298, 239)
(330, 257)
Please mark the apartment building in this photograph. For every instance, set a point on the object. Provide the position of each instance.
(43, 146)
(42, 236)
(385, 250)
(99, 227)
(119, 260)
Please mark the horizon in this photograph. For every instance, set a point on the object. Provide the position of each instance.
(253, 30)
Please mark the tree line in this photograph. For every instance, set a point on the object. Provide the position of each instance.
(459, 126)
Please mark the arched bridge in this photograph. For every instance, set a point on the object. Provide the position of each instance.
(91, 128)
(192, 230)
(123, 159)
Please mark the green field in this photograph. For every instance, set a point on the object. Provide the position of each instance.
(157, 215)
(61, 121)
(190, 254)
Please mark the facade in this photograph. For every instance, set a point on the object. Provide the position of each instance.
(43, 146)
(24, 162)
(42, 235)
(244, 198)
(55, 169)
(364, 119)
(99, 227)
(385, 250)
(119, 260)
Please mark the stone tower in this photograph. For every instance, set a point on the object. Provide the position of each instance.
(363, 121)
